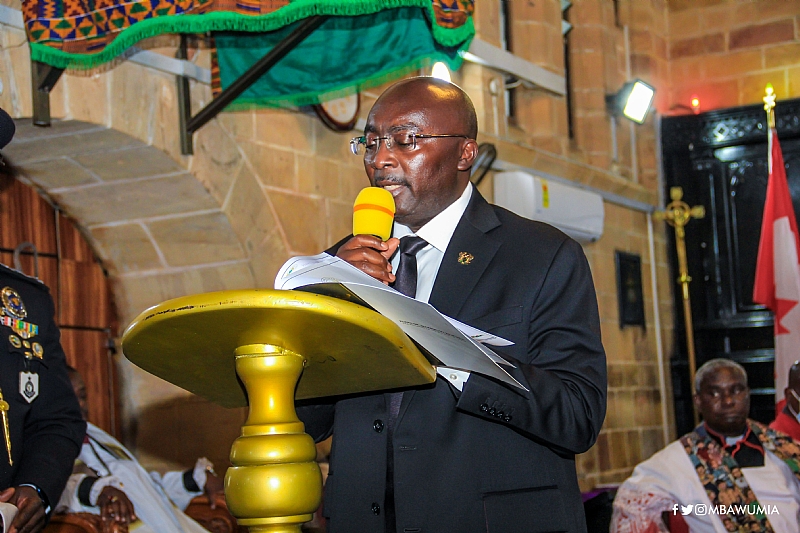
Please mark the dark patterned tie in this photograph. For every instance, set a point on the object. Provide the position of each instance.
(406, 283)
(406, 275)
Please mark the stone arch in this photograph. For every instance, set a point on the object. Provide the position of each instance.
(160, 232)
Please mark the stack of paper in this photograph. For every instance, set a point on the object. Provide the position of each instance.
(452, 344)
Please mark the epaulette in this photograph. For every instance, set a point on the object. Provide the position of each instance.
(24, 277)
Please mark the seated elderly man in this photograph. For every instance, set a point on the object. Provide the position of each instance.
(729, 474)
(109, 481)
(788, 419)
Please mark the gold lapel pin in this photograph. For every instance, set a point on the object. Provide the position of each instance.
(465, 258)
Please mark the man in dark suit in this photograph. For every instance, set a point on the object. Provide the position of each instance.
(41, 429)
(466, 453)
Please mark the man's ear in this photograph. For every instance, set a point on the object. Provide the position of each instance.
(469, 151)
(696, 400)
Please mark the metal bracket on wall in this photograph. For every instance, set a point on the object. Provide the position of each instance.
(189, 124)
(43, 78)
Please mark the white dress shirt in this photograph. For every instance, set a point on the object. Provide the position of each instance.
(437, 232)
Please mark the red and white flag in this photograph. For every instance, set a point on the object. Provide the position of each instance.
(777, 283)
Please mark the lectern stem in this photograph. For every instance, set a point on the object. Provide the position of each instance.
(275, 484)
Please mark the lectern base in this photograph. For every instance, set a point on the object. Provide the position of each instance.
(275, 484)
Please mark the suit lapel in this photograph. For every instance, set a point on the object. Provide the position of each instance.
(458, 276)
(456, 280)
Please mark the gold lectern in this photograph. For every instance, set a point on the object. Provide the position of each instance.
(271, 339)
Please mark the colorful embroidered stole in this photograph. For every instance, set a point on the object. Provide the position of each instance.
(715, 466)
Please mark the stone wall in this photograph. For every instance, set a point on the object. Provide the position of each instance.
(726, 51)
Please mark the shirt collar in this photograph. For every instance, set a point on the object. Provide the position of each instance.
(439, 230)
(747, 440)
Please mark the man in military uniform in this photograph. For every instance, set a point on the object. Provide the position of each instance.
(41, 428)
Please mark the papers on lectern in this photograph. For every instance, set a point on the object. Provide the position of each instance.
(451, 343)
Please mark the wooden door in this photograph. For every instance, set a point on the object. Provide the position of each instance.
(720, 160)
(78, 284)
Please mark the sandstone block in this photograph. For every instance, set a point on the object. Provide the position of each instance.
(196, 239)
(340, 220)
(303, 221)
(87, 95)
(760, 34)
(284, 129)
(216, 160)
(697, 46)
(59, 172)
(784, 55)
(135, 199)
(129, 163)
(248, 210)
(126, 248)
(316, 176)
(273, 167)
(94, 140)
(267, 258)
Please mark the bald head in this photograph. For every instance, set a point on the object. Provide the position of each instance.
(428, 127)
(435, 94)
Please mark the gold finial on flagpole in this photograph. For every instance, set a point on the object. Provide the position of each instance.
(769, 105)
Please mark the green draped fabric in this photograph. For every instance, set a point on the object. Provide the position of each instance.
(345, 55)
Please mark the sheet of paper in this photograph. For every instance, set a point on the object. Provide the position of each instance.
(423, 323)
(325, 268)
(478, 335)
(321, 268)
(7, 514)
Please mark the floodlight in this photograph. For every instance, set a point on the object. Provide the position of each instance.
(632, 101)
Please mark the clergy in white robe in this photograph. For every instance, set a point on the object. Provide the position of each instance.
(669, 482)
(730, 474)
(158, 500)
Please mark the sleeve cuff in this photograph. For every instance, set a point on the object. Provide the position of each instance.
(457, 378)
(42, 496)
(194, 480)
(99, 484)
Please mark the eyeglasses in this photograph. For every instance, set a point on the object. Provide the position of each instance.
(405, 141)
(736, 391)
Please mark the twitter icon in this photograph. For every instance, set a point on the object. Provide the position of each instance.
(686, 509)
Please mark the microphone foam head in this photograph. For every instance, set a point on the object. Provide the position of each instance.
(373, 213)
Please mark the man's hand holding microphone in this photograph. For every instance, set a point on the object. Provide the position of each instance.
(371, 246)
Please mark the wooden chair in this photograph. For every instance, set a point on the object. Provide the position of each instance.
(217, 520)
(82, 523)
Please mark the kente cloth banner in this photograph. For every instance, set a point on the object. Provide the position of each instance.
(777, 282)
(343, 56)
(87, 33)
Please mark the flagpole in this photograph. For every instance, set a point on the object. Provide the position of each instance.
(677, 214)
(777, 253)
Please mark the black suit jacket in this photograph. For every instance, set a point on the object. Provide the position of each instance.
(492, 458)
(46, 434)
